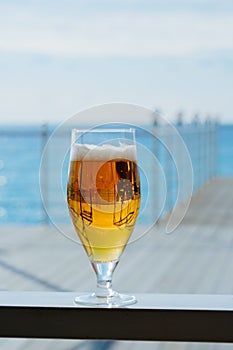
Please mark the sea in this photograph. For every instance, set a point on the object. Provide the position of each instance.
(28, 198)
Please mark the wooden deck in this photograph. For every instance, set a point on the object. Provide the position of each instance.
(196, 258)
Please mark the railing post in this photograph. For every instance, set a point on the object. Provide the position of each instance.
(206, 155)
(180, 128)
(216, 135)
(213, 154)
(44, 175)
(156, 148)
(195, 150)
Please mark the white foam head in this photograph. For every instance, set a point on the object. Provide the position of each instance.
(102, 153)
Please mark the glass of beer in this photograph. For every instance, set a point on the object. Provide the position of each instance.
(103, 196)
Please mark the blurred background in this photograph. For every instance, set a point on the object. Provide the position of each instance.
(174, 57)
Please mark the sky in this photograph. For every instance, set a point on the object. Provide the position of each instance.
(58, 57)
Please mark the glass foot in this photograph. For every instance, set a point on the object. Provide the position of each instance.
(116, 300)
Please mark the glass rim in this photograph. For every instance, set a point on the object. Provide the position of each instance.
(132, 130)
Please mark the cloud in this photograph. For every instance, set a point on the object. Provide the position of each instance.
(115, 33)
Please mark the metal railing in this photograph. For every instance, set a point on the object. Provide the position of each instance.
(201, 140)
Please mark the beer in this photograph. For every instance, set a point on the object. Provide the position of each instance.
(103, 198)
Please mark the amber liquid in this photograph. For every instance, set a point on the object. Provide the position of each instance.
(103, 200)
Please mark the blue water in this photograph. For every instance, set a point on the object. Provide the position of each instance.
(225, 153)
(20, 155)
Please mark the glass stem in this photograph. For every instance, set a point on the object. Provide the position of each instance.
(104, 271)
